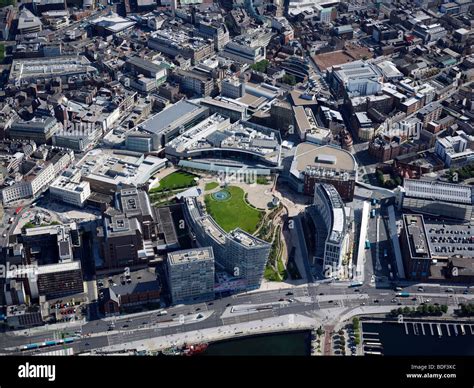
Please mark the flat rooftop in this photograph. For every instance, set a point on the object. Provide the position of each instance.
(113, 22)
(171, 117)
(448, 239)
(309, 155)
(417, 239)
(34, 68)
(190, 256)
(114, 167)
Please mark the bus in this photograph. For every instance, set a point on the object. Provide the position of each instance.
(403, 294)
(356, 284)
(18, 210)
(367, 244)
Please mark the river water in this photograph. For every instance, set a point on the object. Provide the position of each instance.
(280, 344)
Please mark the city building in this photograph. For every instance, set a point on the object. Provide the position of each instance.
(215, 143)
(111, 24)
(130, 290)
(28, 23)
(168, 123)
(24, 71)
(415, 247)
(37, 177)
(191, 275)
(229, 108)
(356, 78)
(237, 252)
(314, 164)
(232, 88)
(195, 82)
(331, 220)
(23, 316)
(308, 128)
(248, 48)
(454, 150)
(180, 42)
(107, 170)
(39, 129)
(437, 199)
(68, 188)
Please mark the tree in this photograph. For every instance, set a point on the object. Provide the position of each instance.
(261, 66)
(444, 308)
(289, 79)
(425, 309)
(355, 323)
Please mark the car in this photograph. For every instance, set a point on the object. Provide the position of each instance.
(394, 301)
(289, 293)
(173, 315)
(189, 312)
(198, 309)
(210, 304)
(281, 300)
(228, 305)
(144, 323)
(421, 289)
(466, 292)
(330, 301)
(449, 290)
(124, 326)
(399, 303)
(4, 235)
(376, 301)
(362, 304)
(414, 299)
(321, 293)
(356, 290)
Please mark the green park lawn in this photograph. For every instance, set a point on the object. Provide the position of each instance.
(211, 186)
(233, 212)
(176, 180)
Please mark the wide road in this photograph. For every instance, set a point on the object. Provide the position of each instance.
(313, 297)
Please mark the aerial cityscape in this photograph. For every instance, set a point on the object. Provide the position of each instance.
(237, 177)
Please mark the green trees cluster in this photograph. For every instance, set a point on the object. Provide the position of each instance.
(289, 79)
(389, 183)
(466, 310)
(466, 172)
(261, 66)
(356, 326)
(422, 310)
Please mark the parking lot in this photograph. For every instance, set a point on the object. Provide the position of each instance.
(450, 239)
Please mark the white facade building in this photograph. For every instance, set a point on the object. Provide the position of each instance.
(69, 189)
(453, 150)
(331, 210)
(436, 190)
